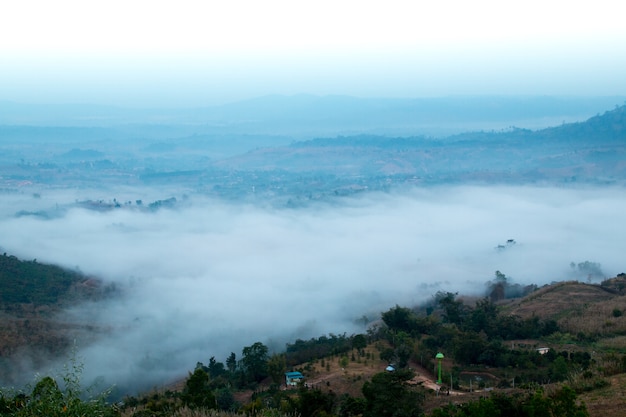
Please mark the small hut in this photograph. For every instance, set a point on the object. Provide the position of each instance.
(293, 378)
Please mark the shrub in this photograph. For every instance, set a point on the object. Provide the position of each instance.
(48, 399)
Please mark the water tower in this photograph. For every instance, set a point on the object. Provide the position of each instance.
(439, 358)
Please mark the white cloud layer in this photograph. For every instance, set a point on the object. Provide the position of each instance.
(212, 277)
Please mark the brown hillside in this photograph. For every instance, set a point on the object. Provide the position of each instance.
(576, 307)
(609, 401)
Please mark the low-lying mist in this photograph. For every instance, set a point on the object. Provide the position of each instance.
(209, 277)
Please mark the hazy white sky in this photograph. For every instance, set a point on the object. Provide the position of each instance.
(205, 52)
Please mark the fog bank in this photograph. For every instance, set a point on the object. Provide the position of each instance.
(208, 277)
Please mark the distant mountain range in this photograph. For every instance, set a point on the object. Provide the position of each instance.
(328, 115)
(253, 165)
(590, 151)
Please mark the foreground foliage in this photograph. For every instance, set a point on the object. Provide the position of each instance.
(48, 399)
(562, 403)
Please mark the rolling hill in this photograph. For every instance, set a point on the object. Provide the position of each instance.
(32, 299)
(593, 151)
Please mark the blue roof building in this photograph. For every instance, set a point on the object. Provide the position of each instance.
(293, 378)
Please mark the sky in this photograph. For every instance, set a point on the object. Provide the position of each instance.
(197, 53)
(213, 277)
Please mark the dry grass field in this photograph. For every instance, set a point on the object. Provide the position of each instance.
(609, 401)
(576, 307)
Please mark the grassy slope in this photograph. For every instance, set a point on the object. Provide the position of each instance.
(576, 307)
(609, 401)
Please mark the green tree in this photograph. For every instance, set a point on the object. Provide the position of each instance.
(389, 395)
(468, 347)
(388, 355)
(215, 368)
(484, 317)
(351, 406)
(224, 399)
(537, 405)
(484, 407)
(403, 353)
(559, 369)
(359, 342)
(497, 288)
(254, 359)
(398, 318)
(315, 402)
(231, 362)
(564, 404)
(276, 367)
(453, 310)
(197, 392)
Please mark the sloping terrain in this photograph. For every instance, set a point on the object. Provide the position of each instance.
(609, 401)
(590, 151)
(576, 307)
(558, 300)
(32, 296)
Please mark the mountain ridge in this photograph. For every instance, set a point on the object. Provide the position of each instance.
(578, 151)
(299, 114)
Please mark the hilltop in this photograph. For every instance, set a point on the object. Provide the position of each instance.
(578, 308)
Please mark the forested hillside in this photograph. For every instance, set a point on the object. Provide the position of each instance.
(32, 297)
(30, 282)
